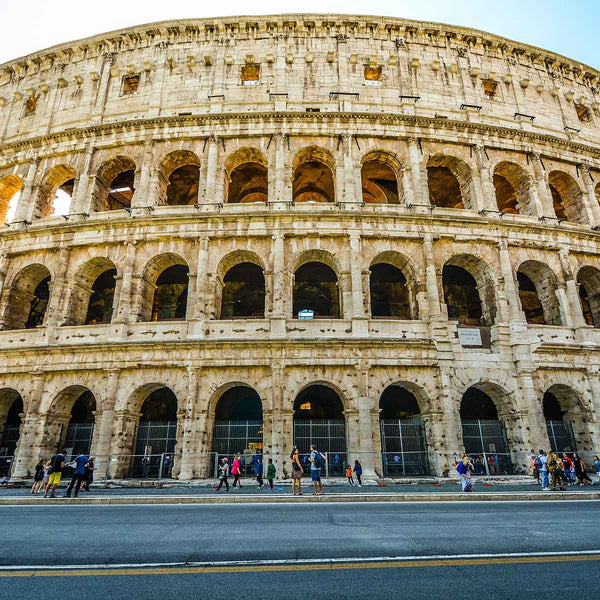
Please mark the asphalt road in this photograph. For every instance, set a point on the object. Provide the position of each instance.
(132, 535)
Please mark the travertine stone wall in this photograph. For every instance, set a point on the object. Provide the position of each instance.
(68, 111)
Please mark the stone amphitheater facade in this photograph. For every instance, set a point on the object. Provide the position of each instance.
(452, 169)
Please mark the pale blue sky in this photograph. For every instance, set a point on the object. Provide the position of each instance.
(567, 27)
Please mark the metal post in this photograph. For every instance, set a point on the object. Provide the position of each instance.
(437, 467)
(215, 471)
(326, 469)
(106, 472)
(487, 469)
(160, 468)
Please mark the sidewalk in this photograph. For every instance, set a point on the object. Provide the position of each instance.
(337, 491)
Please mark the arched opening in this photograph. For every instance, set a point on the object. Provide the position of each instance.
(11, 409)
(588, 280)
(316, 290)
(512, 183)
(100, 306)
(156, 433)
(449, 181)
(390, 295)
(10, 188)
(537, 293)
(170, 295)
(379, 179)
(238, 426)
(28, 298)
(403, 440)
(246, 176)
(462, 296)
(597, 190)
(80, 431)
(55, 192)
(180, 178)
(566, 420)
(484, 433)
(114, 184)
(313, 176)
(319, 420)
(566, 197)
(243, 292)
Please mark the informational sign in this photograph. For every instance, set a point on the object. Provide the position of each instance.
(469, 337)
(306, 314)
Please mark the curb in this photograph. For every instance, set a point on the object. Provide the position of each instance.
(449, 497)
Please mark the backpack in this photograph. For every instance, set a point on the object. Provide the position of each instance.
(538, 463)
(319, 460)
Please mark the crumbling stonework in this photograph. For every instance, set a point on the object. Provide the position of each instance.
(461, 159)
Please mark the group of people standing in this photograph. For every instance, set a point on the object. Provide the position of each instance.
(48, 474)
(236, 471)
(554, 468)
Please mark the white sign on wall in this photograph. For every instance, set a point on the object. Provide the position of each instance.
(469, 337)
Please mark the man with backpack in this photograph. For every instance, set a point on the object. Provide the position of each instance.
(317, 462)
(57, 463)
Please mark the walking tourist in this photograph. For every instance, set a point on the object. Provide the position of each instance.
(358, 472)
(535, 467)
(145, 467)
(567, 468)
(596, 463)
(317, 462)
(258, 469)
(38, 477)
(168, 465)
(271, 472)
(46, 478)
(296, 471)
(235, 471)
(464, 469)
(57, 464)
(582, 476)
(88, 477)
(78, 474)
(544, 470)
(223, 474)
(349, 475)
(555, 468)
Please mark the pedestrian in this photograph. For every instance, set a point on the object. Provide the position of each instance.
(38, 477)
(57, 464)
(358, 472)
(79, 463)
(567, 468)
(556, 471)
(535, 467)
(145, 466)
(167, 465)
(235, 471)
(46, 478)
(223, 474)
(349, 475)
(258, 469)
(296, 471)
(317, 462)
(271, 472)
(596, 463)
(543, 459)
(464, 468)
(88, 478)
(580, 466)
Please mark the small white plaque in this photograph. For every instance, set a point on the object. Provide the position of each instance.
(469, 337)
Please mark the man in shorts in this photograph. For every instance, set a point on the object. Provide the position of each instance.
(57, 463)
(317, 459)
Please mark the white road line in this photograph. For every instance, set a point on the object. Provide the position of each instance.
(303, 561)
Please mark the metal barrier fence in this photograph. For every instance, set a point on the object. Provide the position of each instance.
(6, 464)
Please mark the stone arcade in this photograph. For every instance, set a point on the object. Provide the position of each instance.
(430, 192)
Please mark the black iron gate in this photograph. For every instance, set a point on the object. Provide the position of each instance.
(404, 447)
(10, 437)
(79, 438)
(561, 436)
(485, 442)
(154, 438)
(328, 435)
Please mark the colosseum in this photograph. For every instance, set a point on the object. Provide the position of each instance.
(228, 235)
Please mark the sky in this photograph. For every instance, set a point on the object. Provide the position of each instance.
(551, 24)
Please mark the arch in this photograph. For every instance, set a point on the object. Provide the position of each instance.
(179, 178)
(28, 298)
(163, 288)
(537, 293)
(566, 197)
(316, 289)
(380, 178)
(450, 182)
(243, 292)
(313, 176)
(246, 176)
(92, 293)
(115, 181)
(55, 191)
(468, 285)
(512, 184)
(597, 192)
(11, 409)
(10, 186)
(588, 280)
(390, 293)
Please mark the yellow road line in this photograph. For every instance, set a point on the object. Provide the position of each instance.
(302, 567)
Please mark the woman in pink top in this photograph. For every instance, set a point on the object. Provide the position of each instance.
(235, 471)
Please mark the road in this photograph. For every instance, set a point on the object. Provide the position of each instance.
(366, 535)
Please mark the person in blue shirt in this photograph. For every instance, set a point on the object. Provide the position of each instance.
(78, 474)
(258, 469)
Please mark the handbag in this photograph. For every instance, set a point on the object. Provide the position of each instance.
(296, 466)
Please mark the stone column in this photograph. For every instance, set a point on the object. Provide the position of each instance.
(572, 290)
(365, 424)
(360, 322)
(104, 423)
(278, 314)
(488, 192)
(283, 182)
(510, 288)
(418, 170)
(57, 305)
(82, 200)
(4, 261)
(189, 459)
(592, 201)
(351, 194)
(124, 287)
(546, 206)
(196, 309)
(537, 435)
(122, 446)
(431, 284)
(211, 196)
(146, 187)
(594, 381)
(352, 418)
(26, 204)
(408, 193)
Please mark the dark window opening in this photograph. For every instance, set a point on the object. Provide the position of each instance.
(131, 84)
(248, 183)
(506, 197)
(183, 185)
(319, 402)
(243, 292)
(38, 304)
(379, 183)
(316, 289)
(444, 189)
(313, 182)
(121, 190)
(160, 405)
(477, 405)
(397, 402)
(461, 296)
(389, 292)
(530, 301)
(100, 306)
(583, 113)
(170, 295)
(489, 88)
(239, 404)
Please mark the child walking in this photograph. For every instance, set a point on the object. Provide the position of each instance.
(349, 475)
(271, 471)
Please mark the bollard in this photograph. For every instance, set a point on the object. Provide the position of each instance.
(160, 470)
